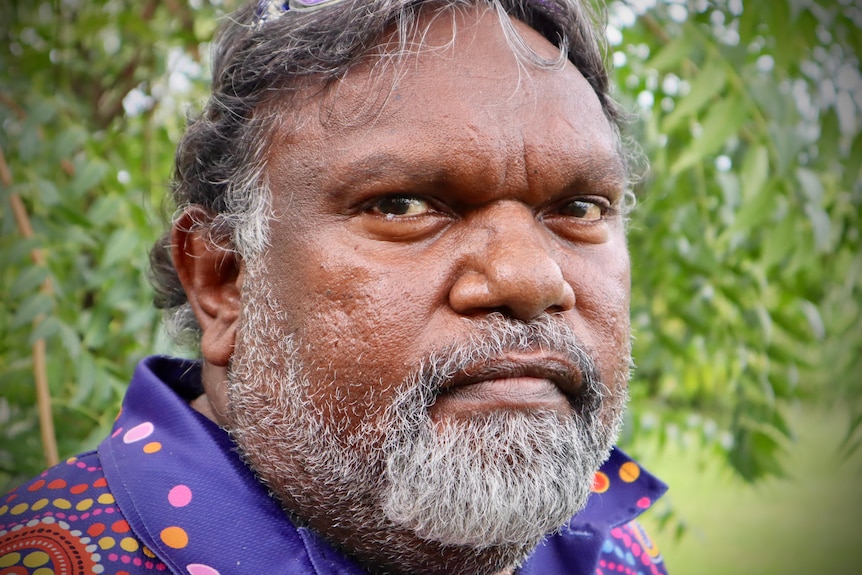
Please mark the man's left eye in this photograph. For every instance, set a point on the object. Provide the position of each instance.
(392, 206)
(589, 210)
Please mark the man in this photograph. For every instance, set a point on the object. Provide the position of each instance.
(400, 246)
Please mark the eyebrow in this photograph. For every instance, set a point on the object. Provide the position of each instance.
(601, 174)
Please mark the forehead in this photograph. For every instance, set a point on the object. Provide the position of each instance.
(459, 91)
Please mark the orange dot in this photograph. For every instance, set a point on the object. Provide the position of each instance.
(37, 485)
(120, 526)
(601, 482)
(96, 529)
(101, 482)
(175, 537)
(152, 447)
(78, 489)
(57, 484)
(629, 471)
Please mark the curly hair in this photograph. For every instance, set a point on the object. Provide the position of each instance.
(257, 66)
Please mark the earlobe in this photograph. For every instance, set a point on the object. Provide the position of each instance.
(211, 275)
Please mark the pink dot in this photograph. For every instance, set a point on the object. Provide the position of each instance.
(61, 515)
(117, 432)
(137, 561)
(97, 511)
(148, 564)
(138, 432)
(91, 469)
(161, 567)
(180, 496)
(81, 464)
(198, 569)
(84, 515)
(125, 559)
(643, 502)
(636, 550)
(113, 556)
(73, 517)
(109, 510)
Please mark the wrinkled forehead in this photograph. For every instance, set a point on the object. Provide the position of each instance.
(433, 49)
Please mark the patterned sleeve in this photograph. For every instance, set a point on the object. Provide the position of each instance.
(628, 550)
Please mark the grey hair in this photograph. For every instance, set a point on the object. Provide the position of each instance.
(220, 163)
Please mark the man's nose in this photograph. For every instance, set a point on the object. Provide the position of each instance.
(512, 269)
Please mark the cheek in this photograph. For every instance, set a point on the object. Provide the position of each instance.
(357, 321)
(601, 279)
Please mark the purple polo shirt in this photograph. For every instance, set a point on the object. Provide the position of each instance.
(167, 493)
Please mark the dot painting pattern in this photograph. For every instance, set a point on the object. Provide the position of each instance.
(55, 525)
(629, 551)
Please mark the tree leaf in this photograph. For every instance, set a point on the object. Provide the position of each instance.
(32, 307)
(723, 120)
(709, 83)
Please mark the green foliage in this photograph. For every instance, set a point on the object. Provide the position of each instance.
(746, 275)
(745, 246)
(90, 117)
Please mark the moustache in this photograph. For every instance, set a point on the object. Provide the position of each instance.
(498, 346)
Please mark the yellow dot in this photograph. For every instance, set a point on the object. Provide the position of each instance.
(4, 510)
(106, 542)
(105, 499)
(147, 551)
(629, 471)
(72, 460)
(62, 503)
(152, 447)
(9, 559)
(36, 559)
(39, 504)
(129, 544)
(20, 508)
(43, 571)
(175, 537)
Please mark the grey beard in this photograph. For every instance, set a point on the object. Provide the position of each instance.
(495, 484)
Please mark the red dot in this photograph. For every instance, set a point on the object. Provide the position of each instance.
(101, 482)
(37, 485)
(96, 529)
(57, 484)
(78, 489)
(120, 526)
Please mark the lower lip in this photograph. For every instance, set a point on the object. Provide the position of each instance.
(513, 393)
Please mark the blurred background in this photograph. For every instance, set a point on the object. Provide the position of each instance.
(747, 273)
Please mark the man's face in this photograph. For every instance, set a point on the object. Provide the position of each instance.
(433, 351)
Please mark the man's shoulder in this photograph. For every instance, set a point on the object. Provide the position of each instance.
(66, 520)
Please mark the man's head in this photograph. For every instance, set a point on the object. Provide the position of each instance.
(402, 240)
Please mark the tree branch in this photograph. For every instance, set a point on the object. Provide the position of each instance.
(40, 371)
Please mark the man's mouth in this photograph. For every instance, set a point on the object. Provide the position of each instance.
(512, 383)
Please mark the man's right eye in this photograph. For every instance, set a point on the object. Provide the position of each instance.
(394, 206)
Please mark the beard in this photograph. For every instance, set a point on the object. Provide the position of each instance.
(396, 490)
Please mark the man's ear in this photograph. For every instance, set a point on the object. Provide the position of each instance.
(212, 278)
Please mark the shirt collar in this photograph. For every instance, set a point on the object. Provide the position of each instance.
(189, 497)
